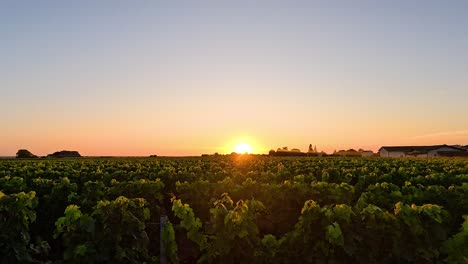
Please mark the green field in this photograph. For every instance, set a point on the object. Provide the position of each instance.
(234, 209)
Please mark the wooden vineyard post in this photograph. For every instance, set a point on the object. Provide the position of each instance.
(162, 254)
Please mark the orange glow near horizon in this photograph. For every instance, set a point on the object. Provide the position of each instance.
(137, 140)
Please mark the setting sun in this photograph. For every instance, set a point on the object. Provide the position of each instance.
(243, 148)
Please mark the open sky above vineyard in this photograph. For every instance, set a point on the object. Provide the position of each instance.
(191, 77)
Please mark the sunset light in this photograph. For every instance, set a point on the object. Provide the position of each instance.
(243, 148)
(253, 131)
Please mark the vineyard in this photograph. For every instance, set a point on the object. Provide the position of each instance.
(234, 209)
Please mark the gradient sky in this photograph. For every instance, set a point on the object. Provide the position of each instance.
(192, 77)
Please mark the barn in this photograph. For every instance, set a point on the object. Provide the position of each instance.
(419, 151)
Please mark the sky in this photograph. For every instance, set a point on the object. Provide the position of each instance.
(190, 77)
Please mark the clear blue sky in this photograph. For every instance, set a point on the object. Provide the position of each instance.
(186, 77)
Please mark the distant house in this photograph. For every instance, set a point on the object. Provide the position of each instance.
(347, 153)
(366, 153)
(419, 151)
(284, 151)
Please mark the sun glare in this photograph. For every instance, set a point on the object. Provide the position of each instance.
(243, 148)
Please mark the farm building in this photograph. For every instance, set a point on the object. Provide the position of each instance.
(354, 153)
(366, 153)
(347, 153)
(420, 151)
